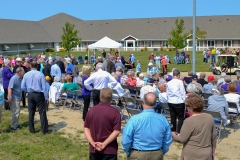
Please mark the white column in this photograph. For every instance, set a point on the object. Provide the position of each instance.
(133, 45)
(56, 46)
(78, 47)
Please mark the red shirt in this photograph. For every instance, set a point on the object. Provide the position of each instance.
(102, 120)
(164, 62)
(131, 82)
(151, 57)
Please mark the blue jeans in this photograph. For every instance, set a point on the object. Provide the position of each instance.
(158, 107)
(213, 58)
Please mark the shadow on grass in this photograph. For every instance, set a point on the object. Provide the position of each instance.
(57, 126)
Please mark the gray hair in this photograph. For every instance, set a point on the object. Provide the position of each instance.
(202, 75)
(19, 69)
(6, 62)
(227, 79)
(99, 66)
(191, 88)
(56, 79)
(176, 72)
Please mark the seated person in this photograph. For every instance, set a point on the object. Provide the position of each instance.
(70, 85)
(232, 97)
(140, 82)
(212, 67)
(224, 67)
(121, 92)
(131, 81)
(55, 89)
(208, 88)
(227, 80)
(163, 94)
(217, 103)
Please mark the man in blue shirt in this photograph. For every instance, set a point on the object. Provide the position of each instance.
(56, 71)
(133, 59)
(35, 84)
(151, 70)
(14, 96)
(147, 135)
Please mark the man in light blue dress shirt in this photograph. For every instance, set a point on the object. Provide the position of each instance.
(151, 70)
(35, 84)
(147, 135)
(56, 71)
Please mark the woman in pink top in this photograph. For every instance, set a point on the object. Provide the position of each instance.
(131, 81)
(13, 62)
(164, 65)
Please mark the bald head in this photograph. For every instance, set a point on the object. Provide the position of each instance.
(149, 100)
(162, 87)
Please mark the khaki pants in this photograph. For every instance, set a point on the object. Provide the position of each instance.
(15, 108)
(146, 155)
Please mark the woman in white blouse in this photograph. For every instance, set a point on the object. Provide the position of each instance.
(232, 96)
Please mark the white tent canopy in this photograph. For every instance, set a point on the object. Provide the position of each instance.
(105, 42)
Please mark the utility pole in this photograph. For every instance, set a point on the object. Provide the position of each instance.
(194, 39)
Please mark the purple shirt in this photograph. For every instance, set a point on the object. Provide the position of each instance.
(6, 75)
(224, 87)
(85, 91)
(238, 88)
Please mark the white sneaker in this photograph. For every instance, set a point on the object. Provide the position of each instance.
(227, 123)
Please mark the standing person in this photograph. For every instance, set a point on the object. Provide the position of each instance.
(164, 65)
(104, 54)
(86, 94)
(99, 80)
(214, 55)
(56, 70)
(47, 68)
(151, 70)
(103, 138)
(1, 100)
(176, 96)
(217, 54)
(138, 68)
(35, 84)
(14, 96)
(6, 75)
(157, 60)
(205, 56)
(151, 58)
(75, 75)
(69, 68)
(111, 65)
(198, 131)
(143, 141)
(133, 60)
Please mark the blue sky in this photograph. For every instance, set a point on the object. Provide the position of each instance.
(112, 9)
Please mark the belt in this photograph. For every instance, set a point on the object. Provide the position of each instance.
(35, 92)
(145, 150)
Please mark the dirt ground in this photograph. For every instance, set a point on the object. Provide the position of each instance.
(71, 122)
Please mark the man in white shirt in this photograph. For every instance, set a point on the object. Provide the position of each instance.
(163, 94)
(148, 88)
(176, 96)
(100, 79)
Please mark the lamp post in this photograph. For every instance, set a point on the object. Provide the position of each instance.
(194, 39)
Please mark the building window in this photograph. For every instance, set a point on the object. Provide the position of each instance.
(148, 44)
(200, 44)
(49, 45)
(227, 43)
(164, 44)
(211, 44)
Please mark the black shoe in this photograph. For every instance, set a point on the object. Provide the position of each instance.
(15, 129)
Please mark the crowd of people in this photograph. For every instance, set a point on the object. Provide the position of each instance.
(146, 135)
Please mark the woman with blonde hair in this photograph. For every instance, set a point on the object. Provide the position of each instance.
(86, 94)
(69, 85)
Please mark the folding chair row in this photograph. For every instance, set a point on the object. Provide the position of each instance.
(233, 115)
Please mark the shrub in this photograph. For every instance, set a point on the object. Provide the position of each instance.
(145, 48)
(142, 49)
(23, 52)
(112, 49)
(61, 50)
(50, 50)
(161, 49)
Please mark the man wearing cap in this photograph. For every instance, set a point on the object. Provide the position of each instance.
(169, 78)
(151, 70)
(35, 84)
(208, 88)
(176, 96)
(19, 64)
(198, 85)
(14, 96)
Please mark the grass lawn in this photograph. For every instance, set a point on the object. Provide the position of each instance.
(143, 57)
(23, 145)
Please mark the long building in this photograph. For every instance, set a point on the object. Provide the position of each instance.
(18, 36)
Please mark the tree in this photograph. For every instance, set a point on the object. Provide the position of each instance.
(177, 36)
(69, 38)
(199, 34)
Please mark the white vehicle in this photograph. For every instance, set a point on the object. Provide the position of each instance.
(223, 65)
